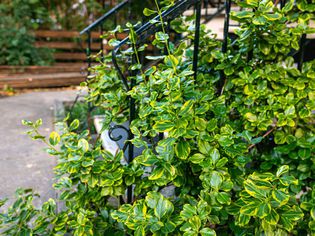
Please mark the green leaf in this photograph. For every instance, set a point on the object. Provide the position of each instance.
(287, 224)
(256, 140)
(87, 163)
(107, 191)
(243, 219)
(74, 124)
(215, 155)
(83, 144)
(197, 158)
(272, 218)
(304, 113)
(163, 207)
(152, 199)
(287, 180)
(280, 197)
(255, 191)
(280, 137)
(182, 150)
(81, 218)
(249, 209)
(251, 117)
(282, 170)
(54, 138)
(225, 140)
(195, 223)
(223, 198)
(27, 123)
(155, 57)
(160, 36)
(140, 231)
(289, 111)
(259, 20)
(288, 6)
(3, 201)
(163, 126)
(187, 108)
(304, 153)
(207, 232)
(212, 125)
(221, 163)
(312, 212)
(171, 60)
(263, 210)
(188, 212)
(272, 16)
(204, 147)
(169, 227)
(157, 173)
(113, 42)
(253, 3)
(186, 73)
(243, 14)
(294, 214)
(148, 12)
(215, 180)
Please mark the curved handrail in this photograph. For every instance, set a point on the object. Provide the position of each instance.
(105, 16)
(148, 29)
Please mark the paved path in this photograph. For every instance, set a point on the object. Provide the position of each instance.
(23, 163)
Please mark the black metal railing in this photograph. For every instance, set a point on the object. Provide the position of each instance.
(99, 23)
(217, 5)
(147, 30)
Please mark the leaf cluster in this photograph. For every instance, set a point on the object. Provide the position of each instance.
(237, 153)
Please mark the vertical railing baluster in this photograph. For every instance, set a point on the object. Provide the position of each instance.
(302, 51)
(88, 51)
(132, 116)
(206, 7)
(196, 40)
(226, 25)
(101, 34)
(227, 3)
(89, 60)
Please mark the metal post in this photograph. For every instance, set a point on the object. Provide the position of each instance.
(88, 54)
(132, 116)
(227, 3)
(88, 51)
(101, 33)
(226, 25)
(196, 40)
(302, 51)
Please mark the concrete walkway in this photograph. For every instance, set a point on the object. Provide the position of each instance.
(23, 162)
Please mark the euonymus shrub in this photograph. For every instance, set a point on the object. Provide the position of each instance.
(238, 144)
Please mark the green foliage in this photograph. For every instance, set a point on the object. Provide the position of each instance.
(22, 218)
(238, 146)
(18, 20)
(79, 111)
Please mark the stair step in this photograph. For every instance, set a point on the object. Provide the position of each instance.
(41, 80)
(56, 68)
(209, 11)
